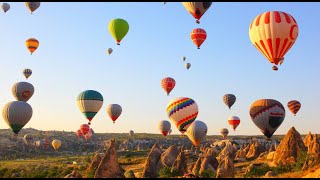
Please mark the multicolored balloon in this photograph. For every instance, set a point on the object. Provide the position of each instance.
(182, 111)
(294, 106)
(27, 73)
(89, 102)
(32, 44)
(196, 132)
(56, 144)
(46, 143)
(164, 127)
(5, 7)
(22, 91)
(224, 132)
(229, 99)
(168, 84)
(187, 65)
(234, 122)
(84, 128)
(118, 29)
(16, 114)
(267, 115)
(32, 6)
(198, 36)
(273, 33)
(197, 9)
(114, 111)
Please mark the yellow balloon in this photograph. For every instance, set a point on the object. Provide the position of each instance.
(56, 144)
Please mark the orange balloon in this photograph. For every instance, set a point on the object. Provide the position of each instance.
(198, 36)
(168, 84)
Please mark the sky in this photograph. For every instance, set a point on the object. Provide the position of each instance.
(72, 58)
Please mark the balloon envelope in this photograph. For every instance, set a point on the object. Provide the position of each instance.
(84, 129)
(27, 73)
(16, 114)
(187, 65)
(89, 102)
(267, 115)
(168, 84)
(164, 127)
(5, 7)
(197, 9)
(27, 139)
(198, 36)
(22, 91)
(131, 133)
(32, 44)
(114, 111)
(234, 122)
(229, 99)
(294, 106)
(118, 29)
(196, 132)
(224, 132)
(32, 6)
(56, 144)
(110, 50)
(182, 111)
(273, 33)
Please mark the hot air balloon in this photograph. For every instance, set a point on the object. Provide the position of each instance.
(184, 58)
(56, 144)
(273, 33)
(88, 135)
(79, 133)
(5, 7)
(22, 91)
(114, 111)
(164, 2)
(224, 132)
(267, 115)
(27, 138)
(17, 114)
(170, 131)
(196, 132)
(294, 106)
(229, 99)
(32, 6)
(131, 133)
(164, 127)
(109, 51)
(118, 29)
(89, 102)
(84, 128)
(275, 68)
(39, 143)
(234, 122)
(197, 9)
(198, 36)
(32, 44)
(168, 84)
(46, 143)
(182, 111)
(187, 65)
(27, 73)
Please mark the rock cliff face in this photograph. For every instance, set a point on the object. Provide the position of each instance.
(169, 156)
(180, 164)
(109, 166)
(290, 148)
(151, 166)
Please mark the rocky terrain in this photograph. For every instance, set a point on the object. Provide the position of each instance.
(152, 156)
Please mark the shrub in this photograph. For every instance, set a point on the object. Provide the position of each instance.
(166, 172)
(208, 174)
(258, 171)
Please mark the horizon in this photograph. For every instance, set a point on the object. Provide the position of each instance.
(71, 58)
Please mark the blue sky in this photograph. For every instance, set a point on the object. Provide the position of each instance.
(71, 58)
